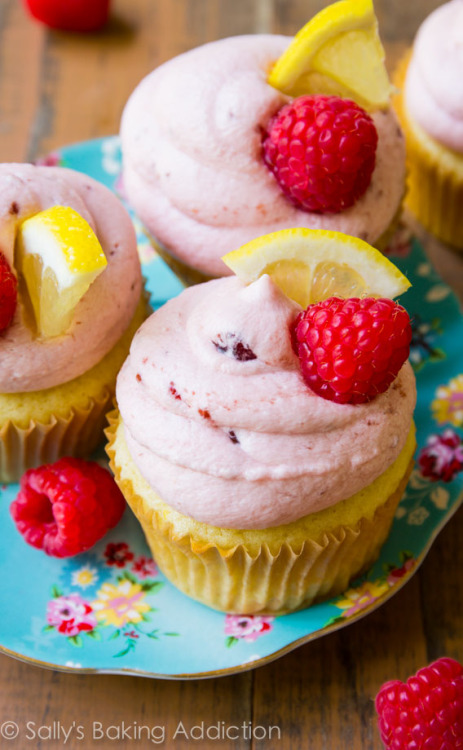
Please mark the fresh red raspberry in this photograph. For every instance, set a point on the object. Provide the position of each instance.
(71, 15)
(8, 293)
(322, 151)
(426, 712)
(351, 350)
(66, 507)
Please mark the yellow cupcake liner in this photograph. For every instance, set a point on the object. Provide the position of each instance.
(71, 426)
(265, 582)
(434, 188)
(74, 434)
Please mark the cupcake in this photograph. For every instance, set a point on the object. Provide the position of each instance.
(258, 493)
(56, 389)
(431, 111)
(197, 173)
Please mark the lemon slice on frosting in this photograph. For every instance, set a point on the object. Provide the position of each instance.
(337, 52)
(310, 265)
(58, 256)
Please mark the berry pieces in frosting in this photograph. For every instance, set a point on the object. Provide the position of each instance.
(231, 345)
(322, 152)
(351, 350)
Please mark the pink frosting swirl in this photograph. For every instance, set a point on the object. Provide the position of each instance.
(221, 424)
(28, 363)
(192, 153)
(434, 83)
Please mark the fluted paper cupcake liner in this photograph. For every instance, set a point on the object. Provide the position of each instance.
(76, 433)
(262, 582)
(435, 191)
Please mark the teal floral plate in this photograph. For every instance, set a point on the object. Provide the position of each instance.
(112, 611)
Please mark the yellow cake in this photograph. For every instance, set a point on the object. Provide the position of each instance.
(264, 571)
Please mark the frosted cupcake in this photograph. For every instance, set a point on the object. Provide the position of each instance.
(55, 388)
(256, 492)
(194, 166)
(431, 111)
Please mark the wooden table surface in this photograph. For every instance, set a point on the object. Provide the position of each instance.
(55, 89)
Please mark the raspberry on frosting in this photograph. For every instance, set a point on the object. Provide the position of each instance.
(322, 151)
(66, 507)
(351, 350)
(8, 293)
(425, 712)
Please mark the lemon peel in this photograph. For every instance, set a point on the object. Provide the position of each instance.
(338, 52)
(310, 265)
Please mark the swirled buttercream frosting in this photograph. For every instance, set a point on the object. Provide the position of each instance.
(220, 422)
(30, 363)
(192, 156)
(434, 83)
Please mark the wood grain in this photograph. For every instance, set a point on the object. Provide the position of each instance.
(21, 47)
(57, 88)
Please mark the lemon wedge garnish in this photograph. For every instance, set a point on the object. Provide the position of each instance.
(310, 265)
(337, 52)
(58, 256)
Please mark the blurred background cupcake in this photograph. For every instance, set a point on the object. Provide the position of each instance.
(430, 107)
(71, 294)
(220, 146)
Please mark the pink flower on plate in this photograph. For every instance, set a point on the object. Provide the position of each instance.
(442, 456)
(247, 627)
(144, 567)
(70, 615)
(395, 574)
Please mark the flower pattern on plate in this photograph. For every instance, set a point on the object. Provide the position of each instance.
(442, 456)
(70, 615)
(118, 554)
(448, 404)
(85, 576)
(246, 627)
(422, 346)
(120, 605)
